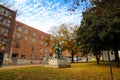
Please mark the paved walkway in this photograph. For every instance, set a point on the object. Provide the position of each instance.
(20, 66)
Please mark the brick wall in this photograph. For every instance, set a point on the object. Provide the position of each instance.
(29, 43)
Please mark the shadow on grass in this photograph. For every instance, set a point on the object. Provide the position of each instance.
(93, 63)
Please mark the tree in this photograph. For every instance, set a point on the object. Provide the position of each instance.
(74, 4)
(65, 35)
(100, 28)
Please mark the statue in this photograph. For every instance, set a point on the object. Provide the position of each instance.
(58, 51)
(57, 58)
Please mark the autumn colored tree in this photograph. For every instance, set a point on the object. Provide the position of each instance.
(65, 35)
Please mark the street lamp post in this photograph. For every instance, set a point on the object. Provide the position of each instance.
(111, 72)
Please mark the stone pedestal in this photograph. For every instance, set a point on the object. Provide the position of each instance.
(58, 63)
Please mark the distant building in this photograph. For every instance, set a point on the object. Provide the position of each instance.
(29, 45)
(119, 53)
(105, 56)
(7, 22)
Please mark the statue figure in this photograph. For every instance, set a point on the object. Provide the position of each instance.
(58, 51)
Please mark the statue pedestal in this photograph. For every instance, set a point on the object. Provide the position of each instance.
(58, 63)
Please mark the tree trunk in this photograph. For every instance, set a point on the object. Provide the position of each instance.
(97, 59)
(72, 57)
(77, 58)
(116, 55)
(86, 58)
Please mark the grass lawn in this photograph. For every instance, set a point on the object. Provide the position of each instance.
(77, 71)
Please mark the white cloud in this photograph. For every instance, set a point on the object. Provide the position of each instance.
(43, 17)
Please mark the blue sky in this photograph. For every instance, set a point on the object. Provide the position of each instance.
(44, 14)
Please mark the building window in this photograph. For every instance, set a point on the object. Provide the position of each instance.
(1, 10)
(41, 36)
(32, 55)
(6, 22)
(18, 36)
(23, 56)
(41, 56)
(34, 33)
(26, 30)
(46, 44)
(26, 38)
(46, 50)
(33, 40)
(41, 42)
(1, 19)
(4, 31)
(20, 28)
(32, 48)
(8, 13)
(17, 45)
(41, 50)
(4, 41)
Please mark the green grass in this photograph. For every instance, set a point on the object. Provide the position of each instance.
(77, 71)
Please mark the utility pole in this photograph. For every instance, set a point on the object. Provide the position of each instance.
(111, 72)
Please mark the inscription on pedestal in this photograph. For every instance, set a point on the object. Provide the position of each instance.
(59, 63)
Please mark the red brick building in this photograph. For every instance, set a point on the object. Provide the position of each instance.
(7, 22)
(20, 43)
(29, 45)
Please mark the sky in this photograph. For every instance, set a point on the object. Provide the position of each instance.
(44, 14)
